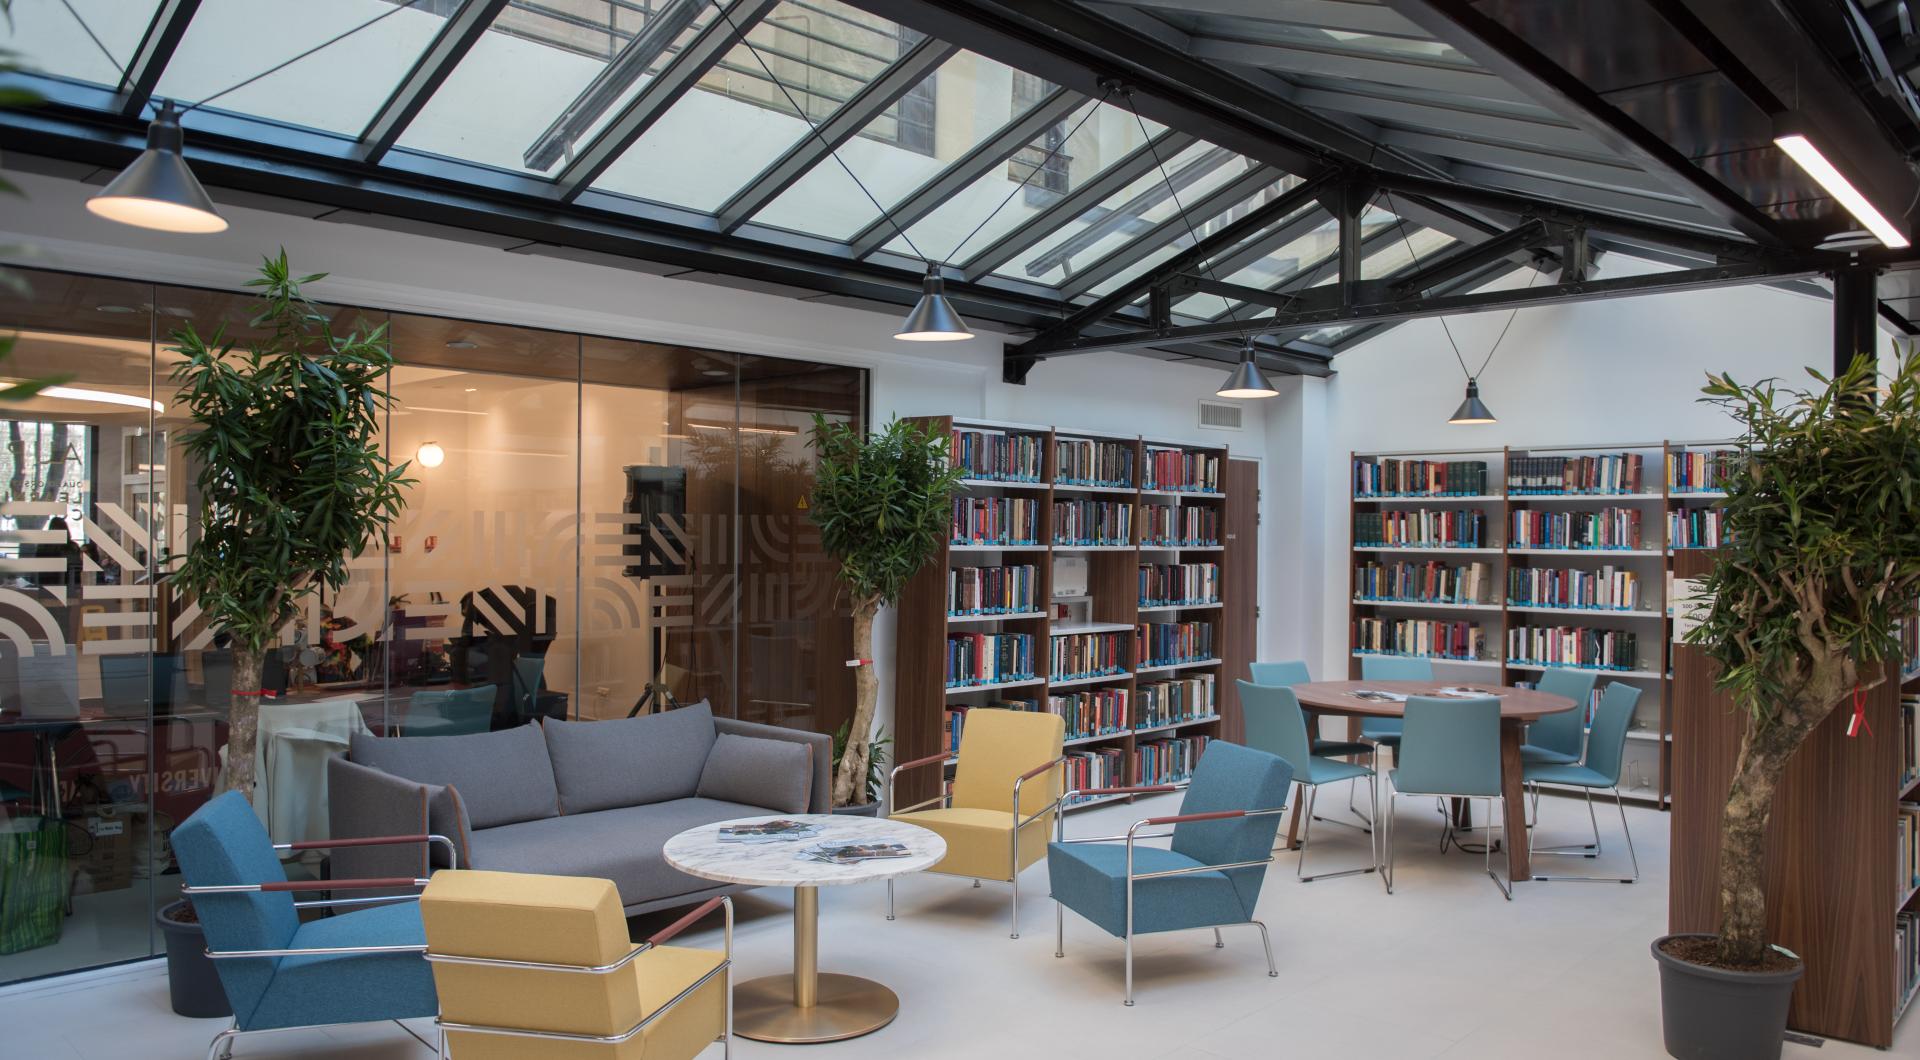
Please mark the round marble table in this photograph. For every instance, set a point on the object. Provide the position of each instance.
(807, 1006)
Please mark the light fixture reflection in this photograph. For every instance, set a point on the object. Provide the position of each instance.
(104, 397)
(430, 454)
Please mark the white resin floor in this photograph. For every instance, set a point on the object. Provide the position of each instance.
(1442, 968)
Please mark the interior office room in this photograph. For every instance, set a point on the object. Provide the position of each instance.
(553, 528)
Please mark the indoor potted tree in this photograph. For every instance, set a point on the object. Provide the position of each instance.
(290, 478)
(1823, 562)
(884, 505)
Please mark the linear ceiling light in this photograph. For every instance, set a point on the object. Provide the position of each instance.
(1789, 136)
(104, 397)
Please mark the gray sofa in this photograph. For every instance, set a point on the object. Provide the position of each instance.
(587, 798)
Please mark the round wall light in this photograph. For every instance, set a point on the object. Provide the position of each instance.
(430, 454)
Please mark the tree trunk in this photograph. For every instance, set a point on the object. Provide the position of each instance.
(243, 720)
(849, 782)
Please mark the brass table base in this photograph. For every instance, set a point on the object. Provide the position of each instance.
(845, 1006)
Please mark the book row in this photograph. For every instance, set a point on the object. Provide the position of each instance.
(1100, 767)
(1174, 700)
(1166, 584)
(1080, 462)
(1606, 528)
(998, 455)
(1389, 477)
(1909, 739)
(1699, 470)
(1165, 524)
(995, 521)
(1698, 528)
(1607, 588)
(992, 590)
(1608, 473)
(1604, 649)
(1161, 643)
(1430, 582)
(1082, 522)
(1077, 655)
(1091, 712)
(1168, 761)
(1907, 864)
(1906, 945)
(988, 658)
(1178, 469)
(1462, 528)
(1409, 636)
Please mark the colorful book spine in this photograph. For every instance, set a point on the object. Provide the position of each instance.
(995, 521)
(1099, 768)
(1598, 649)
(1074, 656)
(1166, 643)
(1174, 526)
(1389, 477)
(1696, 528)
(1608, 588)
(988, 658)
(1604, 529)
(1556, 475)
(1082, 462)
(998, 456)
(1460, 528)
(1182, 471)
(1431, 582)
(1093, 712)
(1186, 698)
(1174, 584)
(991, 590)
(1087, 522)
(1422, 637)
(1700, 470)
(1168, 761)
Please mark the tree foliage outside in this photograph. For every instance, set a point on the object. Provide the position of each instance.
(884, 505)
(1823, 561)
(290, 477)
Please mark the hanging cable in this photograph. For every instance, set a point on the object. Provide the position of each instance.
(1400, 221)
(1051, 152)
(1193, 233)
(276, 68)
(118, 67)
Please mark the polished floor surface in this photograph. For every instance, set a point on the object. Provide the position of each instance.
(1442, 968)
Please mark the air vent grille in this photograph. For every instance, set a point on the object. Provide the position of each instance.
(1220, 416)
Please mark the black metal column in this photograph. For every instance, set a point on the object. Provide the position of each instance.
(1855, 315)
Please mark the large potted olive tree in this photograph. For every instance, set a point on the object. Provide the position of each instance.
(1823, 507)
(884, 504)
(290, 480)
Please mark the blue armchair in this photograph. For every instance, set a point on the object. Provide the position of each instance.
(280, 972)
(1210, 876)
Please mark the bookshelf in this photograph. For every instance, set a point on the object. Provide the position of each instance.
(1531, 558)
(1137, 679)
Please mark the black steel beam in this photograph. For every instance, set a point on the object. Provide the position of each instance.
(1092, 192)
(1465, 260)
(613, 82)
(724, 29)
(976, 163)
(1347, 201)
(842, 125)
(155, 51)
(457, 36)
(1313, 272)
(1477, 302)
(1282, 59)
(1167, 231)
(1368, 18)
(1855, 316)
(1485, 40)
(1128, 220)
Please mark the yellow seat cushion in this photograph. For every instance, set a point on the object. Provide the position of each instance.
(996, 747)
(560, 920)
(979, 842)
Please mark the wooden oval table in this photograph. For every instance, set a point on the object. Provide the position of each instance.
(1518, 706)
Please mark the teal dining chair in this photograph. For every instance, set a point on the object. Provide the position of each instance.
(1606, 746)
(1560, 739)
(1294, 672)
(450, 712)
(1276, 724)
(1386, 731)
(1449, 749)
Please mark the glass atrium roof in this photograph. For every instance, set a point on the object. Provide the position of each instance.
(718, 116)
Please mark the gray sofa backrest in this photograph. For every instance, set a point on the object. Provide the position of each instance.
(630, 761)
(503, 777)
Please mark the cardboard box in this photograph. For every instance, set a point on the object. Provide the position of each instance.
(106, 864)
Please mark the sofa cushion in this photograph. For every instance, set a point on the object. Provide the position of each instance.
(776, 774)
(622, 845)
(503, 777)
(602, 765)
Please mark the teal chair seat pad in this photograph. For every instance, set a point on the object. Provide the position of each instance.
(1532, 754)
(1393, 778)
(351, 988)
(1330, 770)
(1091, 879)
(1340, 748)
(1574, 775)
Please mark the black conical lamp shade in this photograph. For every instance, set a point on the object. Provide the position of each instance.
(1247, 380)
(158, 190)
(1472, 410)
(933, 318)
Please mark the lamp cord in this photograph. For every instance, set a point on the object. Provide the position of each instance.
(118, 67)
(1400, 222)
(1193, 233)
(1024, 181)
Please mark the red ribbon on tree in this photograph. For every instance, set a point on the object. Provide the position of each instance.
(1859, 719)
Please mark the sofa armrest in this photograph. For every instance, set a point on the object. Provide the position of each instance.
(364, 802)
(820, 791)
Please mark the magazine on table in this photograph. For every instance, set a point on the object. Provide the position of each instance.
(1465, 692)
(776, 831)
(854, 853)
(1375, 695)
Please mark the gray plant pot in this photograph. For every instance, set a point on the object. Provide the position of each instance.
(193, 983)
(871, 809)
(1717, 1014)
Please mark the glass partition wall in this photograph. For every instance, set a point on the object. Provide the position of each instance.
(596, 527)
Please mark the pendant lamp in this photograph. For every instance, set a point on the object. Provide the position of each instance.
(933, 318)
(1472, 410)
(1247, 380)
(158, 190)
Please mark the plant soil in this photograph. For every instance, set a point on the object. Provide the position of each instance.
(184, 914)
(1705, 952)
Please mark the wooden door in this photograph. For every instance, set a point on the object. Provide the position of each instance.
(1240, 589)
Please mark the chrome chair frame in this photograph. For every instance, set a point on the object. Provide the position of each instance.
(222, 1045)
(945, 801)
(1620, 804)
(1306, 832)
(665, 934)
(1132, 835)
(1506, 886)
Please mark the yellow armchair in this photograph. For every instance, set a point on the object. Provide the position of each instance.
(1006, 791)
(531, 966)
